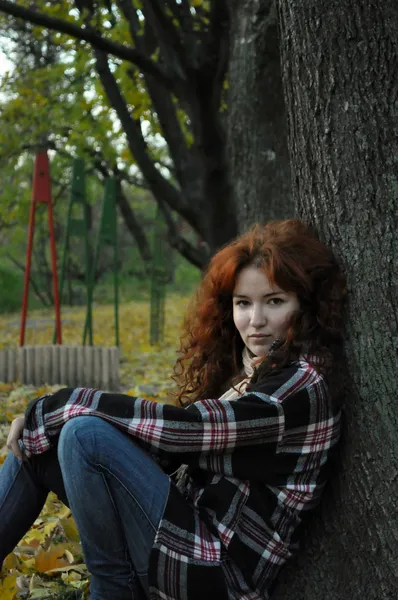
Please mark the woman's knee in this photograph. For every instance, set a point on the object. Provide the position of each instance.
(75, 436)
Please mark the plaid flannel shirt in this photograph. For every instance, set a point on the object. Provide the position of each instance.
(256, 464)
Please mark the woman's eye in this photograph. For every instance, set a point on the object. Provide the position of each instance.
(275, 301)
(242, 303)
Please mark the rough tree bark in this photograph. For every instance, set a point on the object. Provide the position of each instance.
(258, 151)
(340, 67)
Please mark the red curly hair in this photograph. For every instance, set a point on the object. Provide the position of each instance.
(293, 258)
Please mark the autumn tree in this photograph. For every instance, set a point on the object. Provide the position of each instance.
(340, 72)
(180, 53)
(50, 99)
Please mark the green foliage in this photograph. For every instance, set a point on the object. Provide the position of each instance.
(186, 277)
(11, 285)
(53, 96)
(134, 283)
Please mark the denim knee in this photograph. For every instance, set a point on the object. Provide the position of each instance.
(72, 435)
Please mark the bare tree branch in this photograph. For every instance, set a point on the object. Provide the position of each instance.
(216, 49)
(197, 257)
(35, 287)
(168, 37)
(185, 162)
(160, 187)
(185, 167)
(90, 36)
(161, 99)
(122, 175)
(133, 224)
(130, 14)
(182, 12)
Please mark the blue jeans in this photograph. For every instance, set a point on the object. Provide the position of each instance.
(116, 492)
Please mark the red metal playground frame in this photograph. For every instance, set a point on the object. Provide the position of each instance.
(41, 194)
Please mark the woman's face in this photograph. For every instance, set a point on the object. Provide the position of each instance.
(261, 311)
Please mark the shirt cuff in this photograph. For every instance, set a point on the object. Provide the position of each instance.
(34, 437)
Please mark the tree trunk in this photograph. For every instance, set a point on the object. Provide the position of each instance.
(259, 158)
(219, 217)
(340, 70)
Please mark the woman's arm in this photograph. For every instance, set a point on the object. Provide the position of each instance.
(207, 426)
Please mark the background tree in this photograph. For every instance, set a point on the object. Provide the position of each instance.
(179, 52)
(340, 68)
(51, 101)
(168, 53)
(258, 153)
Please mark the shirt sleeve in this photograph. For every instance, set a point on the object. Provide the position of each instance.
(289, 408)
(214, 426)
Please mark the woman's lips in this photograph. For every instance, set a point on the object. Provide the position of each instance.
(259, 336)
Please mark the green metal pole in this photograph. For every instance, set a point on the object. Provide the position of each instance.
(107, 234)
(116, 284)
(76, 227)
(88, 323)
(158, 282)
(89, 310)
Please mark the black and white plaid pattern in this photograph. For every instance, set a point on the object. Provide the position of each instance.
(256, 463)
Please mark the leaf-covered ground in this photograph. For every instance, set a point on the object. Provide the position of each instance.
(48, 562)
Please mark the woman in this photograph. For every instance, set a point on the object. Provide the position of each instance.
(251, 437)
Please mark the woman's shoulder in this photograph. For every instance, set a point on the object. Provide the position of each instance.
(297, 377)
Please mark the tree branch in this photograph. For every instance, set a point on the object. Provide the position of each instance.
(185, 169)
(100, 165)
(182, 12)
(190, 33)
(132, 224)
(160, 187)
(130, 14)
(185, 163)
(216, 49)
(167, 35)
(35, 287)
(94, 39)
(199, 258)
(161, 99)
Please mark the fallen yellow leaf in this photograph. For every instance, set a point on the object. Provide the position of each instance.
(70, 529)
(11, 562)
(54, 558)
(8, 587)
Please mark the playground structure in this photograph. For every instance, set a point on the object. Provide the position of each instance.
(85, 365)
(41, 194)
(71, 365)
(107, 234)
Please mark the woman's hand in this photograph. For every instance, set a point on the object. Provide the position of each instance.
(14, 436)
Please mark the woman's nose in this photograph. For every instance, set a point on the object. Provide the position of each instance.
(258, 317)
